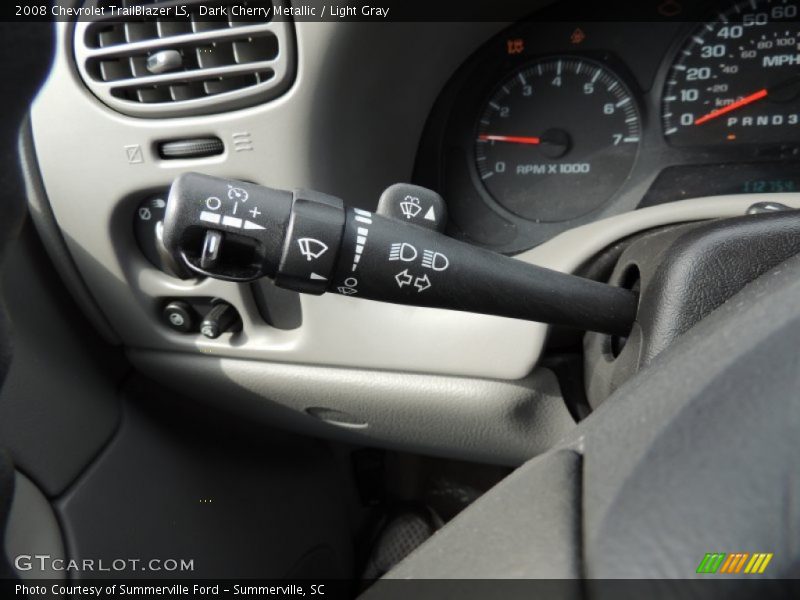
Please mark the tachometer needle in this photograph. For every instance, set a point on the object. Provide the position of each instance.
(514, 139)
(762, 93)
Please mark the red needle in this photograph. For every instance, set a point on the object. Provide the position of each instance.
(514, 139)
(733, 106)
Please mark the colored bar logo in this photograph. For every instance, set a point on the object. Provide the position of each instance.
(733, 563)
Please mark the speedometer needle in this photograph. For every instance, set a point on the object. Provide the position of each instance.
(514, 139)
(762, 93)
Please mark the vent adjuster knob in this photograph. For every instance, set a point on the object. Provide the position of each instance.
(163, 61)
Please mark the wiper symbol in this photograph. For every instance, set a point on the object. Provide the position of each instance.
(410, 207)
(311, 248)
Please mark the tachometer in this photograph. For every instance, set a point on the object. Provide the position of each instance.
(557, 138)
(737, 79)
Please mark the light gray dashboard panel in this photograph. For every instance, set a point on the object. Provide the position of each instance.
(503, 422)
(362, 138)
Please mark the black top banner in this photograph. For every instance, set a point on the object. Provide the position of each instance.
(362, 11)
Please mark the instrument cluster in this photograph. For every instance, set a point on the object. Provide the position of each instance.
(555, 123)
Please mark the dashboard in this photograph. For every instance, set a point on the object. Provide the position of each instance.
(482, 112)
(560, 122)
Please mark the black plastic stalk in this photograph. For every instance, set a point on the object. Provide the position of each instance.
(310, 242)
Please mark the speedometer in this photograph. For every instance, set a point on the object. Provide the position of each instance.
(737, 78)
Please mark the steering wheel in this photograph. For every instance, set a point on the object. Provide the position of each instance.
(688, 471)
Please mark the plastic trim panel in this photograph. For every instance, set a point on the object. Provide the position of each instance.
(289, 145)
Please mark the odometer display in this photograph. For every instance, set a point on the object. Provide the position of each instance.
(737, 79)
(557, 139)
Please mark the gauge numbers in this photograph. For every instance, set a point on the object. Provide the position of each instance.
(737, 78)
(557, 138)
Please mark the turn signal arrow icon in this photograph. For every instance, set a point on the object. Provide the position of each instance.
(403, 278)
(422, 283)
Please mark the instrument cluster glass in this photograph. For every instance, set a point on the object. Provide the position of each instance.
(560, 122)
(737, 78)
(557, 138)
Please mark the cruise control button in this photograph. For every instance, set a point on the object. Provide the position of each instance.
(209, 255)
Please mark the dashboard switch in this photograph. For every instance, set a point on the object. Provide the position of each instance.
(211, 249)
(252, 219)
(179, 316)
(221, 318)
(312, 243)
(413, 204)
(148, 227)
(191, 148)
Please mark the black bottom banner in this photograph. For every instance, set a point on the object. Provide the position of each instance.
(408, 589)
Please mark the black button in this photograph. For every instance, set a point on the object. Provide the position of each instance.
(179, 316)
(221, 318)
(413, 204)
(145, 226)
(209, 255)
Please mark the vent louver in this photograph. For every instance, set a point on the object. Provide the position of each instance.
(167, 66)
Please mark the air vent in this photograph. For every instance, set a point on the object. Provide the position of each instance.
(148, 66)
